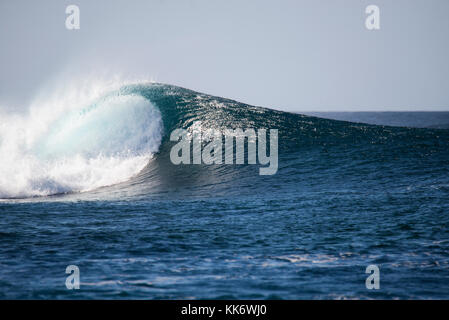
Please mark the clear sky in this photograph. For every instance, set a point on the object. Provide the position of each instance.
(309, 55)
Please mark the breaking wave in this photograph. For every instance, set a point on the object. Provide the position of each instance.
(116, 136)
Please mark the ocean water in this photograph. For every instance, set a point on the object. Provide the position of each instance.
(94, 187)
(416, 119)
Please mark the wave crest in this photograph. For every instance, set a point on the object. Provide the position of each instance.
(60, 149)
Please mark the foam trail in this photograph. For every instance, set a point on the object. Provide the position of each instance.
(77, 141)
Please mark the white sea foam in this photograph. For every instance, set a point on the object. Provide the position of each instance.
(77, 139)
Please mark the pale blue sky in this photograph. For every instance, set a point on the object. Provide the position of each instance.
(309, 55)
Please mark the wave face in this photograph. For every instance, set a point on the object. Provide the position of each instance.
(121, 140)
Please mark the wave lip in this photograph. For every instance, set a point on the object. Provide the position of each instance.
(101, 144)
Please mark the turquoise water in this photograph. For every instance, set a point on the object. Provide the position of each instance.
(346, 195)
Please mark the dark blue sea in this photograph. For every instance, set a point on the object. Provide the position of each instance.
(346, 195)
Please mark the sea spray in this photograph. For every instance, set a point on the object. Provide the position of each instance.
(63, 147)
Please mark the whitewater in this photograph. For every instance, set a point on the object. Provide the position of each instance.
(77, 141)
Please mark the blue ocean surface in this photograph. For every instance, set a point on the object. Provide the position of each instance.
(346, 195)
